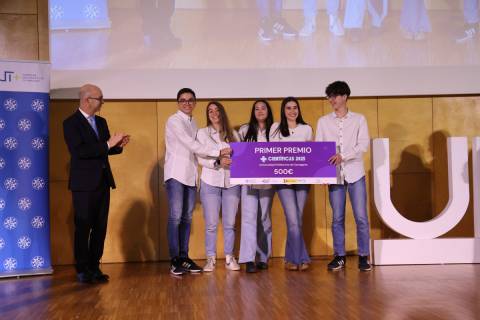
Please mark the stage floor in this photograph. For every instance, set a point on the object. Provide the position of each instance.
(147, 291)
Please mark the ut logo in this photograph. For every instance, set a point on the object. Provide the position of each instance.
(7, 76)
(423, 247)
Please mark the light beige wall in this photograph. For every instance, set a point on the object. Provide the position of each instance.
(417, 128)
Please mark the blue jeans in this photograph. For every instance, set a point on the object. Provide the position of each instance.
(355, 13)
(214, 198)
(414, 17)
(293, 199)
(310, 8)
(269, 8)
(470, 11)
(256, 238)
(358, 198)
(181, 201)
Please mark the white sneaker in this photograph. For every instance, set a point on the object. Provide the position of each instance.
(308, 28)
(231, 263)
(468, 34)
(210, 265)
(335, 26)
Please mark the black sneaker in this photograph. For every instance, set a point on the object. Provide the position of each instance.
(363, 264)
(262, 265)
(175, 268)
(337, 263)
(190, 266)
(283, 28)
(250, 267)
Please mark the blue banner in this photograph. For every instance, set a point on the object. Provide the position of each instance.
(24, 197)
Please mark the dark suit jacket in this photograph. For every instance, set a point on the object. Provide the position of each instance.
(89, 154)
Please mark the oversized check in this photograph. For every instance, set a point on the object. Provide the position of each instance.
(282, 163)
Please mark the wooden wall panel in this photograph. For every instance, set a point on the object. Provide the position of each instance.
(61, 223)
(133, 220)
(58, 152)
(18, 7)
(453, 116)
(19, 37)
(43, 31)
(413, 178)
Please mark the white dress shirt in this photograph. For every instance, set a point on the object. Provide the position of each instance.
(211, 174)
(261, 137)
(181, 147)
(302, 132)
(350, 134)
(261, 134)
(87, 116)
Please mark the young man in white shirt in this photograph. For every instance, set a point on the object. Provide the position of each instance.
(349, 130)
(181, 176)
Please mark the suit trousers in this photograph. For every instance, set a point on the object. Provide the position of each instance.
(91, 216)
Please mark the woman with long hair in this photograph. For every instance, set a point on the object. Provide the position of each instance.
(256, 239)
(216, 192)
(293, 197)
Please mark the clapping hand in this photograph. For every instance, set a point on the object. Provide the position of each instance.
(118, 139)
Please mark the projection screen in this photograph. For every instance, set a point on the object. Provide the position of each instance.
(148, 49)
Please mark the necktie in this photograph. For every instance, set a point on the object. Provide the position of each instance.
(91, 120)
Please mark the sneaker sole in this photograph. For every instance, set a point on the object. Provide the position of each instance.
(232, 269)
(365, 270)
(336, 269)
(195, 271)
(177, 273)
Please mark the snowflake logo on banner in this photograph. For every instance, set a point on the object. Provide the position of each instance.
(24, 204)
(10, 104)
(91, 11)
(37, 262)
(10, 264)
(10, 223)
(24, 124)
(24, 242)
(38, 183)
(56, 12)
(10, 184)
(38, 105)
(2, 204)
(2, 243)
(24, 163)
(38, 143)
(3, 124)
(2, 163)
(10, 143)
(38, 222)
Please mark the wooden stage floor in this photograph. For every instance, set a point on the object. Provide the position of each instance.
(147, 291)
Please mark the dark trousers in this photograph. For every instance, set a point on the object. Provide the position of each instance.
(91, 216)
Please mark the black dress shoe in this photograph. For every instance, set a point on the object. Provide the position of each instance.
(262, 265)
(250, 267)
(85, 277)
(99, 276)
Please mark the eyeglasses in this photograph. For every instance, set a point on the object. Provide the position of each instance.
(189, 101)
(98, 99)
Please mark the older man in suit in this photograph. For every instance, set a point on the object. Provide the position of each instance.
(89, 143)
